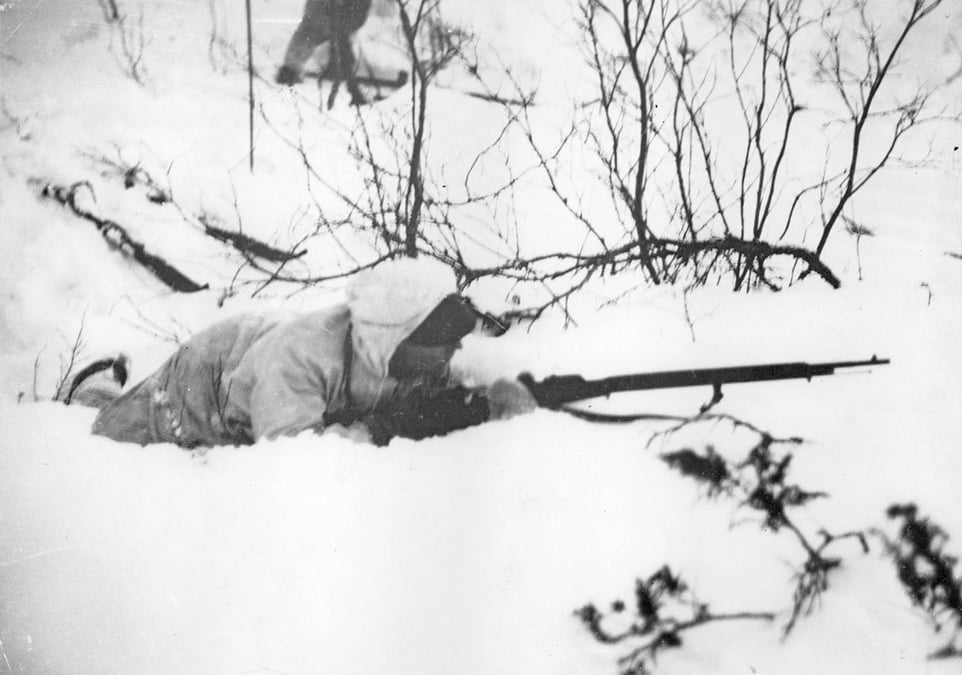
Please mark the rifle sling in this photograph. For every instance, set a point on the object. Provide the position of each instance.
(616, 418)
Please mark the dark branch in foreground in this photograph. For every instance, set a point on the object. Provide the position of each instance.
(928, 573)
(248, 245)
(651, 624)
(134, 175)
(118, 238)
(760, 483)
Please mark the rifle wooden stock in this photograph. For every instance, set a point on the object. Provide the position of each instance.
(555, 391)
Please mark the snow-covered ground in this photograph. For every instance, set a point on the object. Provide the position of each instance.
(466, 553)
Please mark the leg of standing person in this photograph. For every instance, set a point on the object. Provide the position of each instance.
(311, 33)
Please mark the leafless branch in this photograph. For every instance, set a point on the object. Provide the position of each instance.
(69, 362)
(860, 96)
(132, 38)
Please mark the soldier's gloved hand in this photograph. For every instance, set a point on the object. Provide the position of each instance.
(507, 398)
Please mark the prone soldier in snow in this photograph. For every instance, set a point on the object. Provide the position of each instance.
(368, 361)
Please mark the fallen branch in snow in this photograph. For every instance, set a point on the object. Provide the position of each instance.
(760, 483)
(927, 572)
(118, 238)
(135, 174)
(651, 624)
(249, 245)
(753, 253)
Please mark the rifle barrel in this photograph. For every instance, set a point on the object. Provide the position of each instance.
(560, 389)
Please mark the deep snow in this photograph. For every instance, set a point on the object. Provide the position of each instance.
(470, 552)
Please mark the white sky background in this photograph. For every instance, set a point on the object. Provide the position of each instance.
(469, 552)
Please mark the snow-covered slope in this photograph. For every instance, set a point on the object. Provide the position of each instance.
(466, 553)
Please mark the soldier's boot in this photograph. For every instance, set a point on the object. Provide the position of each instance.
(100, 382)
(288, 76)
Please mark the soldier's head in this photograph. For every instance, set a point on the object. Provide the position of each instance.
(427, 351)
(407, 318)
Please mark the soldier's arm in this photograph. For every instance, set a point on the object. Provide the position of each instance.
(423, 413)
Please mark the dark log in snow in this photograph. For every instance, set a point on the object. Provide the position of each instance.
(118, 238)
(249, 245)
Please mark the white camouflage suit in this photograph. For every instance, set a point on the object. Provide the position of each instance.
(253, 377)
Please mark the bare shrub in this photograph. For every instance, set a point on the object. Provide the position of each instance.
(702, 124)
(130, 36)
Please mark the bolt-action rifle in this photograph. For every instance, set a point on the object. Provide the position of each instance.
(419, 414)
(557, 390)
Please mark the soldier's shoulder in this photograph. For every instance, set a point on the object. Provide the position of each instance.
(317, 331)
(330, 321)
